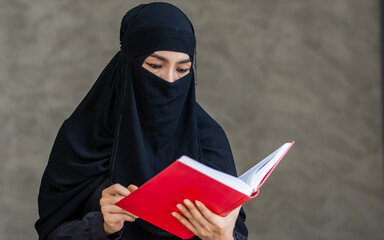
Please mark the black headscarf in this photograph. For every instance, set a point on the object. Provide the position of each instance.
(131, 124)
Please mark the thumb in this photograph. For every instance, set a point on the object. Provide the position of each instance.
(235, 211)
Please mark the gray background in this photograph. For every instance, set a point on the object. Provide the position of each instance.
(269, 71)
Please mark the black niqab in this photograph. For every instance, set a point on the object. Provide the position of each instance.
(131, 124)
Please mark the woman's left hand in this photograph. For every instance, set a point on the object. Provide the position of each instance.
(204, 223)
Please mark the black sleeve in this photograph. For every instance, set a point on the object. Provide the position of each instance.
(89, 227)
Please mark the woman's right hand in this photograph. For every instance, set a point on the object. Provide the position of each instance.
(114, 216)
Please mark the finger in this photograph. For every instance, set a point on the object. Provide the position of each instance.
(132, 188)
(115, 189)
(113, 209)
(117, 219)
(185, 222)
(207, 214)
(196, 218)
(109, 200)
(130, 218)
(184, 210)
(195, 212)
(188, 215)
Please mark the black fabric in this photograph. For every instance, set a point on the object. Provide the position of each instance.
(86, 228)
(131, 124)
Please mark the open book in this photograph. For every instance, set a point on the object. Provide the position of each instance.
(186, 178)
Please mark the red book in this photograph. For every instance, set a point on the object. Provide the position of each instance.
(186, 178)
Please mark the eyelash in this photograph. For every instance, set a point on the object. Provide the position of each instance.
(155, 66)
(182, 70)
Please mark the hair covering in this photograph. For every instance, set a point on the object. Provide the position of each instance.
(131, 124)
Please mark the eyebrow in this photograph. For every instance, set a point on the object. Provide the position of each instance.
(166, 60)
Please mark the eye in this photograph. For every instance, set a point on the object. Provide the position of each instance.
(183, 70)
(154, 66)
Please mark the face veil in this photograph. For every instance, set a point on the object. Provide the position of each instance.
(157, 119)
(131, 124)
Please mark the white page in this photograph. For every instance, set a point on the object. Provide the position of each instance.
(255, 175)
(222, 177)
(248, 182)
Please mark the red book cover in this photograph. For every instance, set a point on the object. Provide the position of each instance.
(155, 200)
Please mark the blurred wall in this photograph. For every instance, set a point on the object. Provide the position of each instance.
(269, 71)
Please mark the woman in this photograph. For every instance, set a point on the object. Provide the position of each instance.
(140, 115)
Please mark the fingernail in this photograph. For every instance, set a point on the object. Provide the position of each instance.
(187, 202)
(179, 206)
(198, 203)
(173, 214)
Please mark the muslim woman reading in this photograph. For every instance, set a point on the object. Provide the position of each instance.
(139, 116)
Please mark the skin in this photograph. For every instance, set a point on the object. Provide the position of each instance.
(170, 66)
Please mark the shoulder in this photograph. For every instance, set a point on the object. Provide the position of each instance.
(211, 133)
(214, 143)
